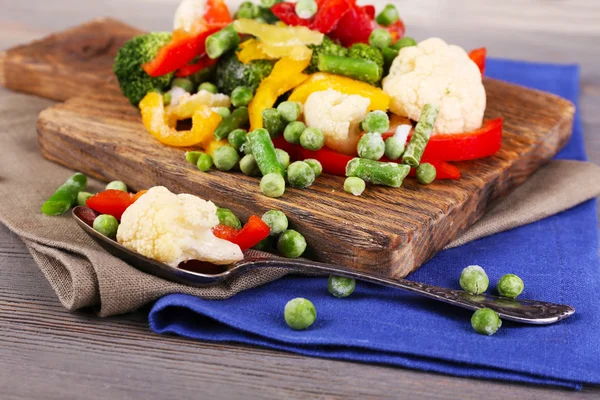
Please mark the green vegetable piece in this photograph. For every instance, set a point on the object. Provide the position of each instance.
(264, 152)
(266, 16)
(306, 9)
(269, 3)
(238, 119)
(237, 138)
(248, 165)
(378, 173)
(231, 73)
(486, 321)
(340, 286)
(222, 111)
(264, 245)
(406, 41)
(205, 162)
(247, 10)
(209, 87)
(106, 225)
(272, 185)
(225, 158)
(418, 142)
(388, 15)
(300, 174)
(167, 97)
(394, 148)
(82, 198)
(291, 244)
(356, 68)
(272, 121)
(376, 121)
(354, 185)
(315, 165)
(299, 313)
(204, 75)
(389, 55)
(327, 46)
(312, 139)
(380, 38)
(192, 156)
(241, 96)
(135, 83)
(510, 285)
(277, 221)
(283, 157)
(183, 83)
(289, 110)
(222, 41)
(246, 147)
(116, 185)
(292, 132)
(227, 217)
(426, 173)
(474, 280)
(371, 146)
(365, 52)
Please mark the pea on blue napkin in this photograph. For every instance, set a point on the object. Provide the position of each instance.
(557, 258)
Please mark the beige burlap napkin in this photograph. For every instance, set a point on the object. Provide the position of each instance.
(84, 275)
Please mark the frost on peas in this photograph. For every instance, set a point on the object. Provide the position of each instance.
(486, 321)
(300, 174)
(340, 286)
(474, 280)
(371, 146)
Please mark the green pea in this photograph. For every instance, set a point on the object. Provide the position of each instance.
(371, 146)
(167, 97)
(291, 244)
(510, 285)
(283, 157)
(227, 217)
(225, 158)
(237, 138)
(388, 15)
(340, 286)
(106, 225)
(277, 221)
(426, 173)
(315, 165)
(82, 198)
(380, 38)
(272, 121)
(293, 130)
(241, 96)
(299, 313)
(183, 83)
(246, 147)
(209, 87)
(300, 174)
(394, 148)
(404, 42)
(312, 139)
(376, 121)
(486, 321)
(354, 185)
(247, 10)
(306, 9)
(222, 111)
(248, 165)
(117, 185)
(205, 162)
(474, 280)
(289, 110)
(272, 185)
(192, 156)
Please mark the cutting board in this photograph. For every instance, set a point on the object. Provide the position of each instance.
(386, 231)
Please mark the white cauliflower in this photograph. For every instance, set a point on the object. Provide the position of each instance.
(435, 72)
(338, 116)
(173, 228)
(187, 13)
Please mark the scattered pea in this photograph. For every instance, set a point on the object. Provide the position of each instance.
(291, 244)
(237, 138)
(300, 174)
(192, 156)
(283, 157)
(394, 148)
(486, 321)
(227, 217)
(225, 158)
(354, 185)
(183, 83)
(222, 111)
(293, 130)
(426, 173)
(312, 139)
(205, 162)
(340, 286)
(167, 97)
(289, 110)
(106, 225)
(305, 9)
(117, 185)
(510, 285)
(277, 221)
(380, 38)
(299, 313)
(209, 87)
(474, 280)
(315, 165)
(272, 185)
(272, 121)
(388, 15)
(249, 166)
(241, 96)
(404, 42)
(376, 121)
(371, 146)
(247, 10)
(82, 198)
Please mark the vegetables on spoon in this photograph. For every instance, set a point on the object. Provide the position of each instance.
(106, 225)
(249, 236)
(116, 185)
(65, 196)
(112, 202)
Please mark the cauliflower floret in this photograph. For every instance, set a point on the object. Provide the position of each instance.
(338, 116)
(187, 13)
(174, 228)
(435, 72)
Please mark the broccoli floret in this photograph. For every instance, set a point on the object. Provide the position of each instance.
(231, 72)
(327, 46)
(133, 80)
(366, 52)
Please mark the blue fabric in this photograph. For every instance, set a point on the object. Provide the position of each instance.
(556, 257)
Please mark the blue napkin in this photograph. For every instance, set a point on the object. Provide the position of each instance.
(556, 257)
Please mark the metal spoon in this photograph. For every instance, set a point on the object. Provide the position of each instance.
(525, 311)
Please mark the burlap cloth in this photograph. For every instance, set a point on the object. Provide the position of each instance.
(84, 275)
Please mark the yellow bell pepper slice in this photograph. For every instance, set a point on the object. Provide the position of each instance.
(278, 35)
(213, 145)
(322, 81)
(253, 49)
(158, 123)
(286, 75)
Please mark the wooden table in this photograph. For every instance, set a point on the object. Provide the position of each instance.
(48, 353)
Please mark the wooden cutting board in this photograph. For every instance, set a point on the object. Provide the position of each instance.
(386, 231)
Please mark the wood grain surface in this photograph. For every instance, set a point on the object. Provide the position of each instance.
(50, 354)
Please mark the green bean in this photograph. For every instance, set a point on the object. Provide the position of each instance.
(357, 68)
(237, 138)
(183, 83)
(426, 173)
(272, 185)
(264, 152)
(247, 10)
(225, 158)
(238, 119)
(82, 198)
(241, 96)
(222, 41)
(227, 217)
(272, 121)
(292, 132)
(248, 165)
(315, 165)
(209, 87)
(277, 221)
(116, 185)
(388, 15)
(300, 174)
(106, 225)
(312, 139)
(418, 142)
(389, 55)
(205, 162)
(65, 196)
(378, 173)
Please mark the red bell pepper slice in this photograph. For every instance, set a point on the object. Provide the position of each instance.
(443, 170)
(286, 12)
(478, 57)
(249, 236)
(191, 69)
(397, 30)
(332, 162)
(113, 202)
(370, 10)
(329, 13)
(355, 26)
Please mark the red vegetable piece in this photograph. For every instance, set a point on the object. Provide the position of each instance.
(396, 29)
(443, 170)
(249, 236)
(191, 69)
(355, 26)
(329, 13)
(225, 232)
(286, 12)
(111, 202)
(478, 57)
(370, 10)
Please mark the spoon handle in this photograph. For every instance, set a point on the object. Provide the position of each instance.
(526, 311)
